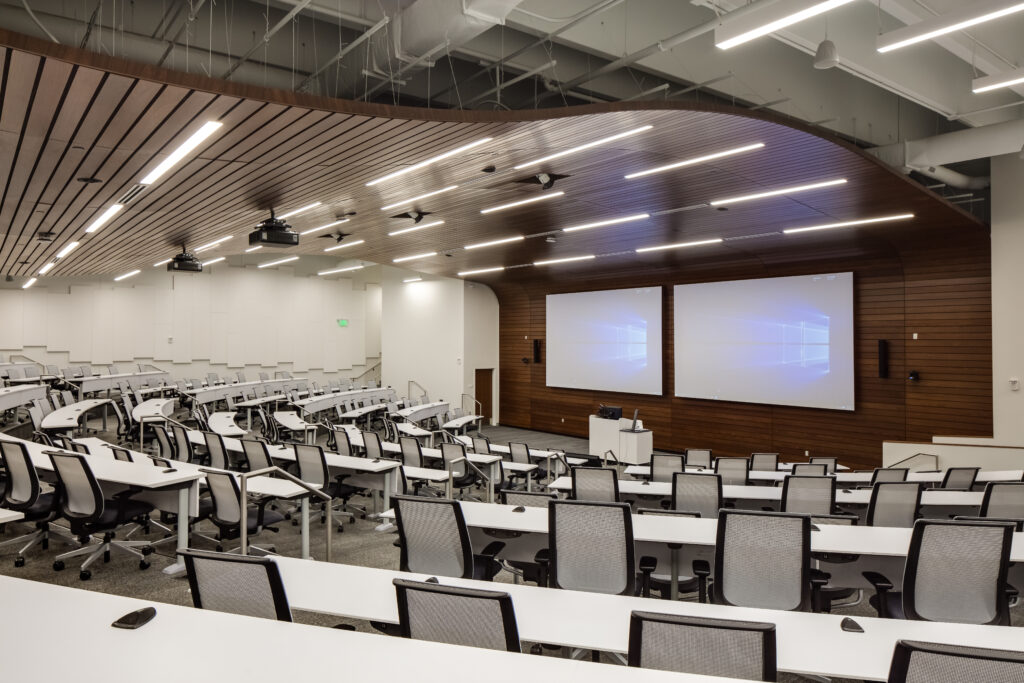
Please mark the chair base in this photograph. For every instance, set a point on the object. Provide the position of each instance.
(103, 550)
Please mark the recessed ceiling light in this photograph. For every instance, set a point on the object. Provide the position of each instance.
(278, 262)
(610, 221)
(104, 217)
(414, 228)
(162, 263)
(848, 224)
(47, 268)
(346, 245)
(531, 200)
(340, 270)
(68, 248)
(995, 81)
(407, 202)
(208, 129)
(31, 281)
(431, 160)
(494, 243)
(678, 245)
(212, 261)
(324, 227)
(127, 275)
(767, 19)
(303, 209)
(480, 271)
(412, 279)
(414, 257)
(252, 249)
(965, 16)
(550, 262)
(212, 244)
(695, 160)
(775, 193)
(595, 143)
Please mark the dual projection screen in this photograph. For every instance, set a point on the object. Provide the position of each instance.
(780, 341)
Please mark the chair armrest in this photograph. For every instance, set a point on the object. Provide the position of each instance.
(492, 549)
(819, 578)
(702, 570)
(543, 556)
(648, 564)
(877, 580)
(1011, 592)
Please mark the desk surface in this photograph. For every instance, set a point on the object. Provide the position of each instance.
(9, 516)
(855, 478)
(423, 411)
(224, 424)
(68, 416)
(153, 408)
(12, 397)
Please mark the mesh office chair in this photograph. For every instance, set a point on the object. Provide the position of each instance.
(894, 504)
(434, 539)
(412, 454)
(663, 466)
(163, 442)
(372, 445)
(122, 454)
(917, 662)
(1003, 499)
(808, 469)
(227, 511)
(733, 471)
(764, 462)
(239, 584)
(458, 616)
(23, 493)
(182, 445)
(463, 474)
(697, 492)
(529, 499)
(698, 457)
(661, 582)
(959, 478)
(830, 463)
(256, 455)
(216, 451)
(84, 505)
(699, 645)
(747, 543)
(314, 471)
(481, 445)
(520, 453)
(955, 571)
(886, 474)
(595, 484)
(808, 495)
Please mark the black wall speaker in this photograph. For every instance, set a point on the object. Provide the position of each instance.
(536, 350)
(883, 358)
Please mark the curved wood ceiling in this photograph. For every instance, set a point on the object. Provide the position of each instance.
(68, 114)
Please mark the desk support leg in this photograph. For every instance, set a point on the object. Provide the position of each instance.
(385, 497)
(674, 580)
(178, 568)
(305, 526)
(495, 473)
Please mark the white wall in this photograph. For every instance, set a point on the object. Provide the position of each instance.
(223, 320)
(481, 339)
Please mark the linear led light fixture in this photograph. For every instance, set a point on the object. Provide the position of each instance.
(406, 202)
(212, 244)
(431, 160)
(247, 251)
(104, 217)
(414, 228)
(551, 262)
(340, 270)
(412, 279)
(68, 248)
(531, 200)
(610, 221)
(31, 281)
(678, 245)
(212, 261)
(773, 17)
(996, 81)
(324, 227)
(848, 224)
(47, 268)
(481, 271)
(127, 275)
(414, 257)
(775, 193)
(162, 263)
(494, 243)
(302, 209)
(208, 129)
(336, 247)
(595, 143)
(695, 160)
(969, 14)
(278, 262)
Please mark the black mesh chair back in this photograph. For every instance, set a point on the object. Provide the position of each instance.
(808, 495)
(698, 457)
(122, 454)
(748, 542)
(810, 469)
(182, 446)
(458, 616)
(697, 492)
(226, 497)
(733, 471)
(433, 537)
(764, 462)
(960, 478)
(528, 499)
(663, 466)
(79, 448)
(239, 584)
(894, 504)
(371, 444)
(592, 546)
(700, 645)
(829, 463)
(1003, 499)
(21, 487)
(163, 443)
(956, 572)
(889, 474)
(312, 465)
(481, 445)
(412, 454)
(257, 457)
(454, 457)
(595, 484)
(520, 452)
(216, 449)
(917, 662)
(82, 498)
(342, 443)
(264, 377)
(212, 379)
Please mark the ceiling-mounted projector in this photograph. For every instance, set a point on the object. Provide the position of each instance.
(185, 262)
(274, 231)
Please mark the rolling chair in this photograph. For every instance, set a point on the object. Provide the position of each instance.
(917, 662)
(595, 484)
(697, 492)
(698, 457)
(434, 539)
(23, 493)
(239, 584)
(227, 511)
(663, 466)
(733, 471)
(458, 616)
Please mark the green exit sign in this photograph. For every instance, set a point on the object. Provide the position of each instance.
(342, 322)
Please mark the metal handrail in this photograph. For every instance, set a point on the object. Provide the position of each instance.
(604, 458)
(935, 460)
(479, 407)
(451, 475)
(408, 388)
(367, 370)
(243, 528)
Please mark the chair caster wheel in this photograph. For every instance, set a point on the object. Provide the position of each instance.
(362, 516)
(58, 566)
(287, 515)
(220, 548)
(341, 528)
(147, 550)
(19, 561)
(295, 522)
(143, 564)
(84, 575)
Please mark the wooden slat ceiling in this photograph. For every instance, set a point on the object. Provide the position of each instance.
(67, 114)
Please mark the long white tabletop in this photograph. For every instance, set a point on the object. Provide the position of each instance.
(10, 516)
(154, 408)
(12, 397)
(316, 404)
(424, 411)
(852, 478)
(221, 392)
(103, 382)
(67, 417)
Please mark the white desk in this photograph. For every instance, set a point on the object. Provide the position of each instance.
(850, 478)
(67, 417)
(93, 383)
(424, 411)
(461, 422)
(284, 651)
(316, 404)
(10, 516)
(293, 423)
(221, 392)
(153, 409)
(12, 397)
(223, 423)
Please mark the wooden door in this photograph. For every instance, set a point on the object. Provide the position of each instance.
(484, 384)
